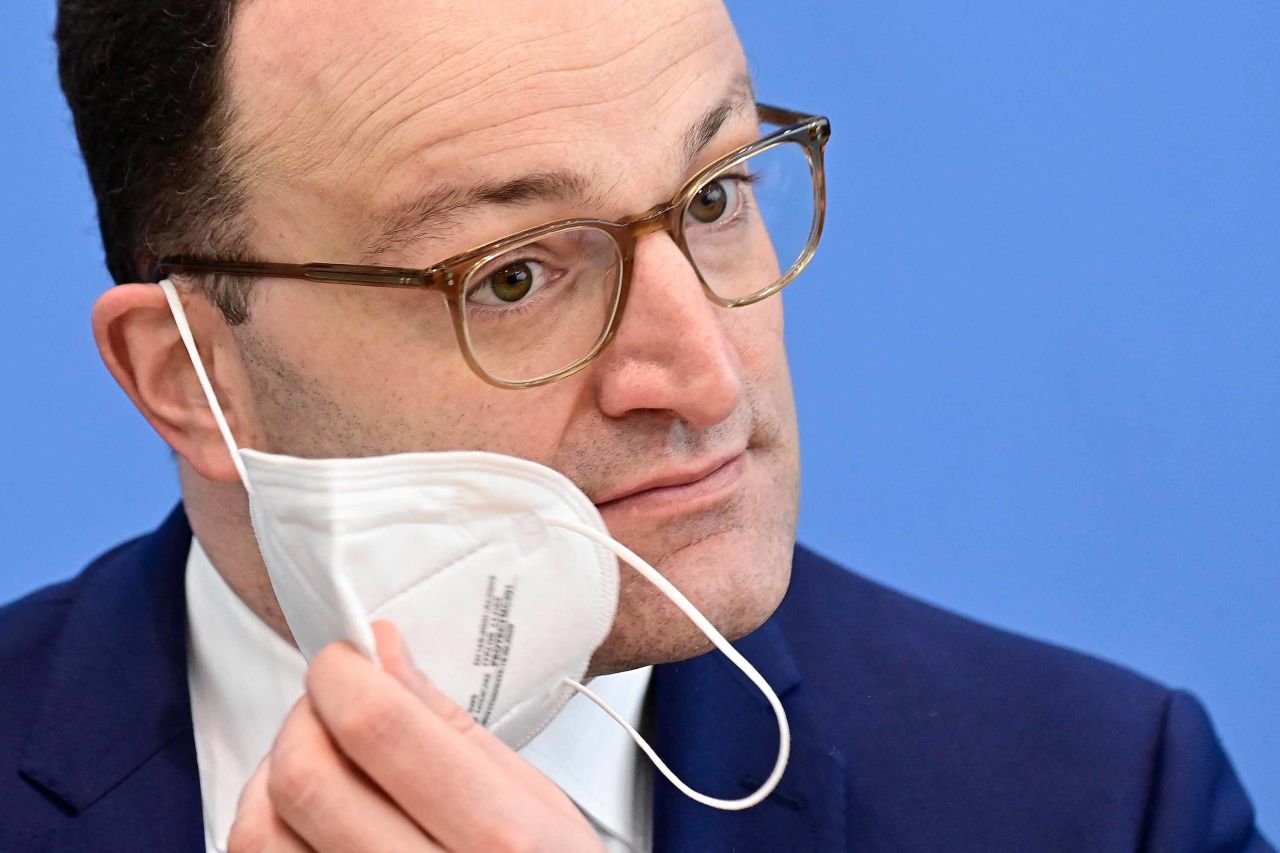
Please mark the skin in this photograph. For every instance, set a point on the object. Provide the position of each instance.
(372, 105)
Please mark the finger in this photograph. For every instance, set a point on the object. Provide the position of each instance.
(326, 801)
(257, 828)
(432, 765)
(397, 660)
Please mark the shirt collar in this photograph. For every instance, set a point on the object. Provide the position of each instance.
(244, 678)
(594, 760)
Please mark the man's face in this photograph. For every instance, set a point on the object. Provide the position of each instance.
(348, 115)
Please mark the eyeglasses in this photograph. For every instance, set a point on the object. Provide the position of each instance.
(541, 304)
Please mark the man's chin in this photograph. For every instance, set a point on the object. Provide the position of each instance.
(737, 588)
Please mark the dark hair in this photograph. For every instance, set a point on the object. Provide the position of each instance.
(144, 80)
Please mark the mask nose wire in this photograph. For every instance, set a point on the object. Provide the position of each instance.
(189, 341)
(704, 625)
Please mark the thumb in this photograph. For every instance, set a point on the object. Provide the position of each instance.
(397, 661)
(394, 654)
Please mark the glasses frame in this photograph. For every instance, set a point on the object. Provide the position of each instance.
(451, 275)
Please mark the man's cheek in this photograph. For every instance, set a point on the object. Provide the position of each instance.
(756, 334)
(526, 423)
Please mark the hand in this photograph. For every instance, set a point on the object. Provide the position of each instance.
(379, 759)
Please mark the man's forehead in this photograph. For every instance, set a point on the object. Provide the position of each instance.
(319, 86)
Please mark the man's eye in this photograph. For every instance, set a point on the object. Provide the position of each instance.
(714, 200)
(509, 284)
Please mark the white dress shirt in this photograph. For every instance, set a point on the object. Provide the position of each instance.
(244, 678)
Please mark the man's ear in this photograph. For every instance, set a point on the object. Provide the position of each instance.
(139, 343)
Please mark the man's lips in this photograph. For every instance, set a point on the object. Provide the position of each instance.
(678, 486)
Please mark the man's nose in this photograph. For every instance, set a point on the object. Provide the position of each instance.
(671, 352)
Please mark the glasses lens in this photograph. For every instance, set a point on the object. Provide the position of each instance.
(749, 227)
(544, 305)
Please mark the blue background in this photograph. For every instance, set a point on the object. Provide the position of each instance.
(1037, 359)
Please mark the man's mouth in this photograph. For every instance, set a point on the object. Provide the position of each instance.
(681, 488)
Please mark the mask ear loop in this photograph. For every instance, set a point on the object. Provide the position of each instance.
(625, 554)
(704, 625)
(363, 640)
(189, 341)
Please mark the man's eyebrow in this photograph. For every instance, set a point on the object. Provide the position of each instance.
(438, 211)
(741, 98)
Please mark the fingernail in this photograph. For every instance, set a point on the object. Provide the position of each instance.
(404, 650)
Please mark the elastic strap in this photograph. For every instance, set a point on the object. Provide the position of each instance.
(704, 625)
(349, 601)
(625, 554)
(184, 330)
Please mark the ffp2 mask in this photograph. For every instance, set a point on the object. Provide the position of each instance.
(499, 572)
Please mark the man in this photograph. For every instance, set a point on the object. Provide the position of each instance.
(156, 701)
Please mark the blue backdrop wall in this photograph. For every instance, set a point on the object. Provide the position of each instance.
(1037, 359)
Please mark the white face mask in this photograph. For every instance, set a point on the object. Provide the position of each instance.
(499, 573)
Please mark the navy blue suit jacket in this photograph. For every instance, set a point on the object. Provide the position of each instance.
(914, 729)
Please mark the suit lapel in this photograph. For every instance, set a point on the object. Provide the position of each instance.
(113, 745)
(718, 734)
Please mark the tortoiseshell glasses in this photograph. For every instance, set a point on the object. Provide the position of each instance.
(539, 305)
